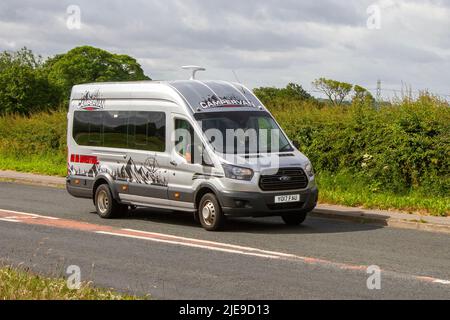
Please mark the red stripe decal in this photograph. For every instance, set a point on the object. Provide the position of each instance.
(83, 159)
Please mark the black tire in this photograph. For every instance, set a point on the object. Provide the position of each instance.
(294, 219)
(105, 204)
(210, 213)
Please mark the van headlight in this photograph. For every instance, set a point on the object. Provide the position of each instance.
(239, 173)
(309, 169)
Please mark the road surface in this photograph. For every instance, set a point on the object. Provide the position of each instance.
(168, 256)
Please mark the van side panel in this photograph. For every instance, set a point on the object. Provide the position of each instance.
(128, 170)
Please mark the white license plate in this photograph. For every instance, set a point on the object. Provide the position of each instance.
(287, 198)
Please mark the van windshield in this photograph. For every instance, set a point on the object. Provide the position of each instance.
(243, 132)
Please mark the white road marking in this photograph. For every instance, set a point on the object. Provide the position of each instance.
(207, 242)
(9, 220)
(29, 214)
(441, 281)
(18, 217)
(189, 244)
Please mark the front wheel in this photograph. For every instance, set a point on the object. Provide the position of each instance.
(210, 213)
(294, 219)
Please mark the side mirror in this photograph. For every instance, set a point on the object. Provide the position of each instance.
(206, 160)
(296, 144)
(202, 157)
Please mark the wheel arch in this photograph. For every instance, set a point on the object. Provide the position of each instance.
(104, 179)
(203, 189)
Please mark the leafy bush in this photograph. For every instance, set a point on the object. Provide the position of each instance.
(35, 144)
(401, 147)
(395, 157)
(24, 87)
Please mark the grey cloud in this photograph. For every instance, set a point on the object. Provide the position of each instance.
(269, 42)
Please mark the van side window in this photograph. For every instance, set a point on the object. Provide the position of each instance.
(147, 131)
(87, 128)
(80, 131)
(95, 130)
(139, 129)
(143, 130)
(184, 140)
(115, 129)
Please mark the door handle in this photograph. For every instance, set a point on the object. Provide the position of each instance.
(174, 163)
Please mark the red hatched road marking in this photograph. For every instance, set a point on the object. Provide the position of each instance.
(35, 219)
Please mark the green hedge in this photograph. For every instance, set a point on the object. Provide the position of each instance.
(401, 147)
(34, 144)
(398, 156)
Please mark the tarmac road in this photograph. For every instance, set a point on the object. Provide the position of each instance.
(251, 259)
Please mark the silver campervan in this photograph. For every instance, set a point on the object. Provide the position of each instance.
(209, 148)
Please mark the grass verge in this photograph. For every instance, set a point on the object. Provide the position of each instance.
(342, 189)
(16, 284)
(47, 165)
(347, 190)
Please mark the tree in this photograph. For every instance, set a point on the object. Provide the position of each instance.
(362, 95)
(23, 57)
(266, 94)
(296, 91)
(336, 91)
(292, 91)
(24, 86)
(28, 84)
(88, 64)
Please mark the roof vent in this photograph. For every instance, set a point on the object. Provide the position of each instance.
(193, 69)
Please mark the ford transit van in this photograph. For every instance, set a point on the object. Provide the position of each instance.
(209, 148)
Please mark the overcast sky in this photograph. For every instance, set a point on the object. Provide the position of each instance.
(267, 43)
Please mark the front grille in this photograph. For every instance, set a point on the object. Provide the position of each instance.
(284, 179)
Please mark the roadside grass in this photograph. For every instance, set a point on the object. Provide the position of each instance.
(34, 144)
(17, 284)
(45, 164)
(348, 190)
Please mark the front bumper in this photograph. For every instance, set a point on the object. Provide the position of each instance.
(258, 204)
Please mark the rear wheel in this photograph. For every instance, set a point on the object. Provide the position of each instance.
(294, 219)
(210, 213)
(107, 207)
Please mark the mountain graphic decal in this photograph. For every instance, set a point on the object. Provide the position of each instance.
(147, 173)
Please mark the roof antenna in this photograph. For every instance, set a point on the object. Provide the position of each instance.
(236, 77)
(194, 70)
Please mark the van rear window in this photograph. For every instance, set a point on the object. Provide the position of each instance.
(140, 130)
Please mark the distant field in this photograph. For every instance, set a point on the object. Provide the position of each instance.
(397, 157)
